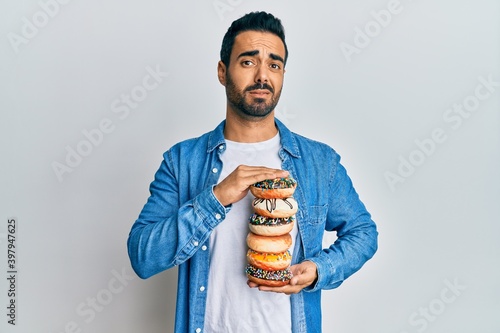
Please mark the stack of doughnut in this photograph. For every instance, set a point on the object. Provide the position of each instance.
(269, 238)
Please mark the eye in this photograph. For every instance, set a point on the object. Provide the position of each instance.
(275, 66)
(247, 63)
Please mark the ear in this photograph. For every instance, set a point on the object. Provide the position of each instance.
(221, 73)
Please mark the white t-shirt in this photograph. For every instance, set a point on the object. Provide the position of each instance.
(232, 306)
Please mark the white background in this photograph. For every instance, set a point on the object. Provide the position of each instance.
(438, 222)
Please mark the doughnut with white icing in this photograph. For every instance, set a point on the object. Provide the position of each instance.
(275, 207)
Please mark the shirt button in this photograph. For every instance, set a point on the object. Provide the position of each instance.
(198, 330)
(215, 170)
(195, 243)
(204, 247)
(202, 288)
(221, 147)
(218, 216)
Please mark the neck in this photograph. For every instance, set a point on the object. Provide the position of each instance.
(249, 131)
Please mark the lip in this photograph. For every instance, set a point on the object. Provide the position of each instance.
(260, 92)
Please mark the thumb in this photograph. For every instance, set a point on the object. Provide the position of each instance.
(298, 277)
(304, 273)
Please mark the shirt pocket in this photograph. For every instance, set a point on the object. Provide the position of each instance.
(316, 214)
(313, 229)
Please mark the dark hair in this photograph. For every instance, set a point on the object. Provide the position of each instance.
(255, 21)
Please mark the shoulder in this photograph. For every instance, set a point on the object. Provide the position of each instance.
(201, 144)
(308, 146)
(300, 146)
(189, 145)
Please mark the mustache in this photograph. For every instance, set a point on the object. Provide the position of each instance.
(260, 86)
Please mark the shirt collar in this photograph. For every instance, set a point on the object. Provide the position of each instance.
(288, 142)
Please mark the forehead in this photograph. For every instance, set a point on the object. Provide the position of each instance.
(265, 42)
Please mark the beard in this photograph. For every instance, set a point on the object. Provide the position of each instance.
(257, 108)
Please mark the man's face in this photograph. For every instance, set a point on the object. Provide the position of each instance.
(255, 75)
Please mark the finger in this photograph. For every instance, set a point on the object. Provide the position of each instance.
(257, 174)
(243, 177)
(302, 278)
(273, 289)
(296, 280)
(235, 186)
(252, 284)
(288, 289)
(259, 169)
(295, 269)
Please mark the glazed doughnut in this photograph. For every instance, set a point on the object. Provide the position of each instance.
(278, 188)
(275, 207)
(269, 244)
(268, 278)
(267, 226)
(269, 261)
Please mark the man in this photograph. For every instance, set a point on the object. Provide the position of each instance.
(197, 215)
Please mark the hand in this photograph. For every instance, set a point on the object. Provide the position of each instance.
(235, 186)
(304, 274)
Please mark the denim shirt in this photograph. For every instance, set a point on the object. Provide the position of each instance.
(174, 226)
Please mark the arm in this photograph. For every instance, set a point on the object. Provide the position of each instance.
(168, 232)
(356, 234)
(356, 242)
(356, 238)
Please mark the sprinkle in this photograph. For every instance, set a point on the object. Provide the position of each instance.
(276, 183)
(256, 219)
(281, 275)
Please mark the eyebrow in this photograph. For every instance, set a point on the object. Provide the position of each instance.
(255, 52)
(276, 57)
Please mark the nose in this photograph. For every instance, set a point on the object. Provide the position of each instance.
(261, 74)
